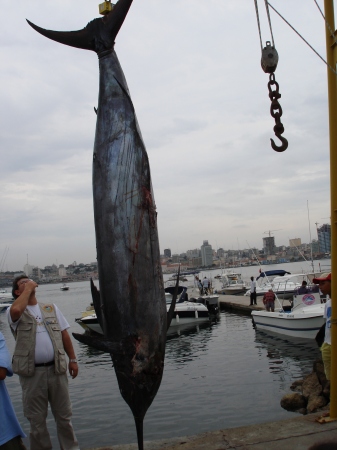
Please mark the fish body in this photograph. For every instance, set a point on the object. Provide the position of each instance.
(132, 298)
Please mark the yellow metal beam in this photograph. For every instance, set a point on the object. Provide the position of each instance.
(332, 99)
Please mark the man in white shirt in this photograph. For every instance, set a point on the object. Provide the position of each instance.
(42, 340)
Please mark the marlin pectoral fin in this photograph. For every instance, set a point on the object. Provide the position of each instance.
(97, 302)
(98, 342)
(99, 35)
(170, 312)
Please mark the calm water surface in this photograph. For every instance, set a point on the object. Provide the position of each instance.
(217, 376)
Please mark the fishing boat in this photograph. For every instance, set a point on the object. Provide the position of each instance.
(281, 282)
(65, 287)
(233, 284)
(303, 319)
(185, 312)
(5, 295)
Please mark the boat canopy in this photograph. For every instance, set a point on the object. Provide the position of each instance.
(273, 273)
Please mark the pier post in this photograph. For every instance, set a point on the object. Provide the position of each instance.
(331, 50)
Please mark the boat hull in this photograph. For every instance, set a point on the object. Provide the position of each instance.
(185, 313)
(296, 325)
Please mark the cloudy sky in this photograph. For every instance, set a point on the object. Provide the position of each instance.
(201, 97)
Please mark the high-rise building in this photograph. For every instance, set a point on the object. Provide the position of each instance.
(28, 269)
(206, 254)
(296, 242)
(269, 245)
(324, 238)
(167, 252)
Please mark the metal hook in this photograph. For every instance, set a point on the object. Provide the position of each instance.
(282, 147)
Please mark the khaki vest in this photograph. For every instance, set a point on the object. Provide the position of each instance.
(25, 335)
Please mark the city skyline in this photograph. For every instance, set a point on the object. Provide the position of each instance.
(293, 242)
(204, 112)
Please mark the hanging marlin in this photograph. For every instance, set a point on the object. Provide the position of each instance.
(131, 298)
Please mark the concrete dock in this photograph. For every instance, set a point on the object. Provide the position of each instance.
(239, 303)
(298, 433)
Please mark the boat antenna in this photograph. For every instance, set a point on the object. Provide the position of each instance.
(312, 260)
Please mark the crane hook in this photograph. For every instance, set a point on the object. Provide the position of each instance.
(282, 147)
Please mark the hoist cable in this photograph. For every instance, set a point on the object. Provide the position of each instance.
(334, 71)
(268, 14)
(258, 22)
(327, 23)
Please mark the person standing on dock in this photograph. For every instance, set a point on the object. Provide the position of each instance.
(42, 341)
(269, 300)
(324, 282)
(205, 285)
(252, 291)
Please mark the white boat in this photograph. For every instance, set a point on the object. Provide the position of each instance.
(283, 283)
(185, 313)
(5, 295)
(64, 287)
(233, 284)
(303, 320)
(211, 301)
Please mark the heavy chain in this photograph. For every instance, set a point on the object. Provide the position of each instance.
(276, 113)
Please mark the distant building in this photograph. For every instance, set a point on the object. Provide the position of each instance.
(206, 254)
(324, 238)
(36, 273)
(269, 245)
(296, 242)
(28, 269)
(315, 246)
(62, 271)
(167, 252)
(175, 258)
(195, 253)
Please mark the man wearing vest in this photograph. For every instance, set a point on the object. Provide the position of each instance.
(42, 340)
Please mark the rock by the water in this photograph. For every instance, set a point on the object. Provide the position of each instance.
(293, 402)
(315, 403)
(311, 394)
(311, 386)
(297, 386)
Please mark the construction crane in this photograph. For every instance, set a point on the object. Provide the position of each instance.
(270, 231)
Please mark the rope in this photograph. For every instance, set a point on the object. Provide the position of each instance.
(327, 23)
(269, 21)
(258, 22)
(331, 68)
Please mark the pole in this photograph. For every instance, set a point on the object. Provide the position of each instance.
(331, 50)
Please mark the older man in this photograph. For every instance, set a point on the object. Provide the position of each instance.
(39, 359)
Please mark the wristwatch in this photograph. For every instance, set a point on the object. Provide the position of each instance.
(73, 360)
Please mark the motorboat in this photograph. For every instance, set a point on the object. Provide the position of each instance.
(4, 295)
(303, 319)
(282, 283)
(233, 284)
(185, 312)
(210, 300)
(64, 287)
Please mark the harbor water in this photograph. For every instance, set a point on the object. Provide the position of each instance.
(219, 375)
